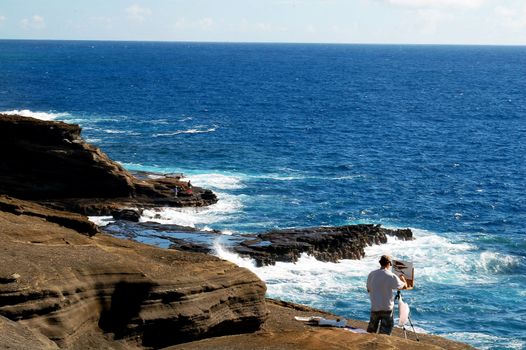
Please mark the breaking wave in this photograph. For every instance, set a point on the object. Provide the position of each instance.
(36, 115)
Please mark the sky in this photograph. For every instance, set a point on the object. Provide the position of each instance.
(486, 22)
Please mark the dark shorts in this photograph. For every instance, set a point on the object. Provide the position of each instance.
(381, 322)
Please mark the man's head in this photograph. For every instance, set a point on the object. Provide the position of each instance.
(385, 261)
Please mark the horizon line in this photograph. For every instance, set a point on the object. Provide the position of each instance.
(263, 42)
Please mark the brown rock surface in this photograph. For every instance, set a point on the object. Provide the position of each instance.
(282, 332)
(70, 287)
(74, 221)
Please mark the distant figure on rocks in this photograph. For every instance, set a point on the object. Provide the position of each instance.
(176, 191)
(380, 284)
(189, 189)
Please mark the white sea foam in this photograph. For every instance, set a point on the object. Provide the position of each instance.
(280, 177)
(486, 341)
(124, 132)
(496, 263)
(436, 259)
(110, 131)
(36, 115)
(188, 131)
(101, 220)
(195, 217)
(233, 257)
(285, 177)
(218, 181)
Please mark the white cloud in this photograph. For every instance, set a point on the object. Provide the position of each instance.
(511, 17)
(106, 22)
(138, 13)
(35, 22)
(205, 23)
(436, 3)
(431, 19)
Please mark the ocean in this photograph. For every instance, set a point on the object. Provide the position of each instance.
(293, 135)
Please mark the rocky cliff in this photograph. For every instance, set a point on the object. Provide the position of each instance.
(64, 286)
(49, 162)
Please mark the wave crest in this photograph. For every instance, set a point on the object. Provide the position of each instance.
(36, 115)
(188, 131)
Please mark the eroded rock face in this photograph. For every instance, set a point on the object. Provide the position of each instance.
(69, 285)
(16, 336)
(48, 161)
(74, 221)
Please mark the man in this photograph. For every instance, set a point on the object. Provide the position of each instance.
(380, 285)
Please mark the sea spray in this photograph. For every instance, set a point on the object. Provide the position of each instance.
(36, 115)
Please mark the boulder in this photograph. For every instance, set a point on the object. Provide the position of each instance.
(133, 215)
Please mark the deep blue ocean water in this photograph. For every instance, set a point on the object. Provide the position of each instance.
(427, 137)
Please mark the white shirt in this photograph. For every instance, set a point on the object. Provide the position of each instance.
(380, 284)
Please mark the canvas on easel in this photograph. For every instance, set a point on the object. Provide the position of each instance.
(405, 268)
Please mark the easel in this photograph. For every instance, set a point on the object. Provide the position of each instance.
(398, 295)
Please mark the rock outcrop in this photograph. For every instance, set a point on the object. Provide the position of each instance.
(66, 286)
(329, 244)
(48, 161)
(74, 221)
(324, 243)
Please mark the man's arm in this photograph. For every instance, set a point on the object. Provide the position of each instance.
(404, 281)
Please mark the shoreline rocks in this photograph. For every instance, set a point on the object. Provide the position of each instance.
(329, 244)
(64, 284)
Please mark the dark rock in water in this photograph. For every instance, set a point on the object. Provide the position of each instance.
(133, 215)
(324, 243)
(48, 161)
(184, 245)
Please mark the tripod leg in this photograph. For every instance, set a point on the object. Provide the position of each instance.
(411, 323)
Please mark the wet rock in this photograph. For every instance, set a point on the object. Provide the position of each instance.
(133, 215)
(324, 243)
